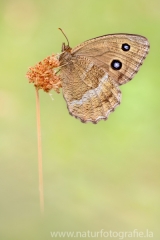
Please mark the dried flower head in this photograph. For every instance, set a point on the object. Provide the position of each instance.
(43, 74)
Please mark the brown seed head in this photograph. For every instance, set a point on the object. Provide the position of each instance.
(43, 74)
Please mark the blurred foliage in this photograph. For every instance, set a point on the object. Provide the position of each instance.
(104, 176)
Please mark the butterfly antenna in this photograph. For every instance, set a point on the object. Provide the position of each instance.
(64, 35)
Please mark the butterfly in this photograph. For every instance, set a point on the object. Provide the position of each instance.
(92, 72)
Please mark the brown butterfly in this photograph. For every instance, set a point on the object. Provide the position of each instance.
(92, 72)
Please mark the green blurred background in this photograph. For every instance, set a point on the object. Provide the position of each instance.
(104, 176)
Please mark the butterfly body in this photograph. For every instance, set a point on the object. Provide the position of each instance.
(92, 72)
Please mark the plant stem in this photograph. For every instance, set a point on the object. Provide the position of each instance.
(40, 169)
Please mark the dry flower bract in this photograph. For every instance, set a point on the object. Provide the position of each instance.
(43, 74)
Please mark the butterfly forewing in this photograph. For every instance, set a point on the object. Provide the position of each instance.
(103, 50)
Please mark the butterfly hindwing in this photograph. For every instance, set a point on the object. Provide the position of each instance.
(89, 91)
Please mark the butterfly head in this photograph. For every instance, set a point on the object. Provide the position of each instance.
(66, 48)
